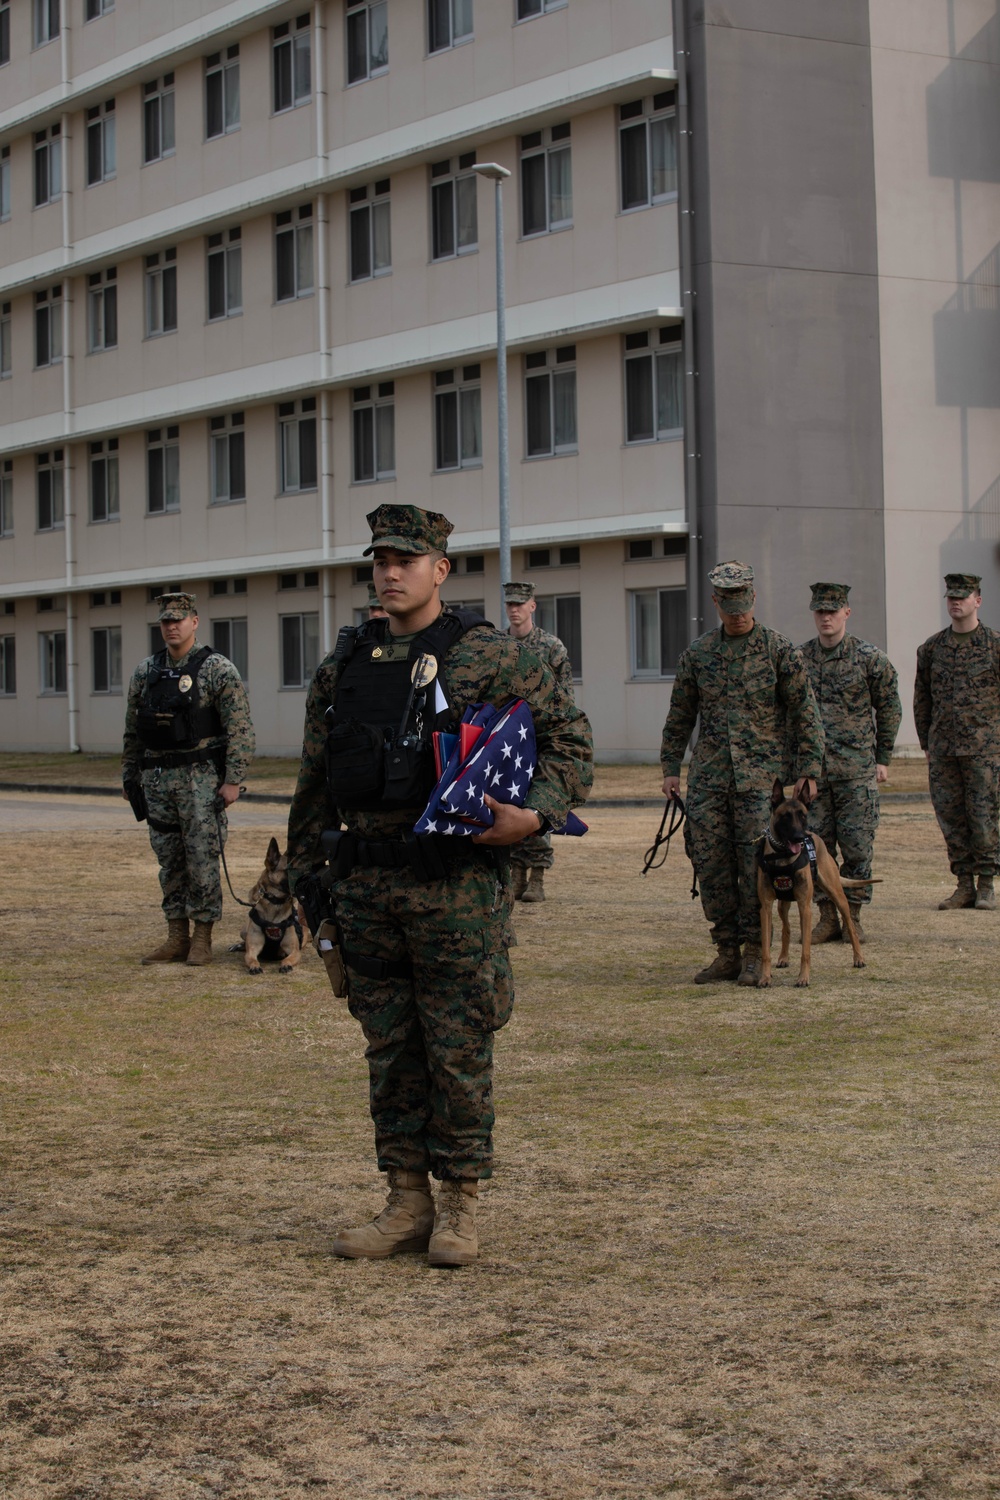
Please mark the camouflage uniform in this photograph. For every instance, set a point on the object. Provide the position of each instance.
(182, 798)
(535, 853)
(956, 707)
(747, 693)
(852, 683)
(430, 1035)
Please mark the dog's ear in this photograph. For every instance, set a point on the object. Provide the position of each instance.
(273, 854)
(777, 794)
(804, 796)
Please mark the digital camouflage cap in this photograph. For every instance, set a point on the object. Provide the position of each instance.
(518, 593)
(829, 596)
(407, 528)
(372, 597)
(176, 606)
(961, 585)
(732, 585)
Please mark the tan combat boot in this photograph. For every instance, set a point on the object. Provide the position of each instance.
(535, 888)
(725, 966)
(175, 946)
(827, 929)
(454, 1241)
(751, 970)
(855, 910)
(201, 944)
(964, 894)
(520, 876)
(403, 1225)
(985, 899)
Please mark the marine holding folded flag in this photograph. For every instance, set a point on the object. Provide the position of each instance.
(423, 919)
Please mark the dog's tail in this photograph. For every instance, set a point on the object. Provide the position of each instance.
(850, 884)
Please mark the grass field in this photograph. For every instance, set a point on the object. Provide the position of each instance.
(738, 1244)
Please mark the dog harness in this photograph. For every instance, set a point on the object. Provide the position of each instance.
(275, 931)
(781, 875)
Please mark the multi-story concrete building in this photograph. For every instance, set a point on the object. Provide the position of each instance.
(247, 293)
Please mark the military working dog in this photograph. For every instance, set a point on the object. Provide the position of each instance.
(276, 927)
(790, 860)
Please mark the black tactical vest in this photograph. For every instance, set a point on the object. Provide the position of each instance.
(379, 750)
(171, 714)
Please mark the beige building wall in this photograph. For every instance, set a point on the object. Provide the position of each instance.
(610, 275)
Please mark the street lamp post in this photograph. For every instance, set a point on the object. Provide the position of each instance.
(497, 174)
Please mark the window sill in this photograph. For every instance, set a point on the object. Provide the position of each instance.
(289, 109)
(540, 234)
(352, 83)
(638, 208)
(290, 494)
(460, 41)
(222, 504)
(105, 521)
(535, 458)
(469, 468)
(224, 317)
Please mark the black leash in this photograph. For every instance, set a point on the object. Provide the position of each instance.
(674, 811)
(222, 849)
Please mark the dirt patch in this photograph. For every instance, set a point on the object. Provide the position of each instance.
(738, 1244)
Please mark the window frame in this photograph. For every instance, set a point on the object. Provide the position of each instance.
(545, 145)
(231, 650)
(652, 354)
(297, 415)
(102, 457)
(659, 673)
(159, 92)
(4, 33)
(93, 10)
(47, 148)
(160, 273)
(102, 310)
(353, 11)
(364, 204)
(454, 39)
(286, 38)
(102, 127)
(297, 225)
(223, 432)
(369, 434)
(225, 249)
(455, 178)
(6, 341)
(463, 382)
(550, 616)
(534, 373)
(530, 10)
(223, 67)
(46, 22)
(307, 645)
(8, 666)
(50, 303)
(631, 124)
(7, 497)
(5, 183)
(106, 643)
(163, 454)
(52, 675)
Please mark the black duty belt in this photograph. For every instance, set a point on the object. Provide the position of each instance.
(428, 856)
(167, 760)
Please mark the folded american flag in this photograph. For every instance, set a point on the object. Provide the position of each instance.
(500, 765)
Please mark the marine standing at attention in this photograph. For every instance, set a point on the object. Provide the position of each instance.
(857, 692)
(533, 856)
(424, 919)
(956, 707)
(189, 738)
(749, 688)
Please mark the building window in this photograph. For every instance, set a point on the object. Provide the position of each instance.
(528, 8)
(658, 630)
(293, 253)
(550, 402)
(6, 348)
(163, 470)
(102, 310)
(45, 21)
(307, 580)
(647, 141)
(8, 666)
(641, 548)
(292, 64)
(219, 587)
(546, 181)
(48, 327)
(105, 597)
(448, 23)
(367, 40)
(222, 92)
(229, 481)
(48, 166)
(299, 649)
(297, 425)
(92, 9)
(654, 391)
(106, 655)
(458, 418)
(101, 150)
(559, 614)
(161, 293)
(51, 507)
(552, 557)
(104, 502)
(230, 637)
(374, 432)
(4, 32)
(225, 275)
(371, 247)
(4, 180)
(7, 497)
(454, 227)
(158, 118)
(52, 660)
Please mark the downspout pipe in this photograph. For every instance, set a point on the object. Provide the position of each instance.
(692, 456)
(69, 500)
(323, 317)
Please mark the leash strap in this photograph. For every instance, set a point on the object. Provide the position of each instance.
(222, 852)
(674, 811)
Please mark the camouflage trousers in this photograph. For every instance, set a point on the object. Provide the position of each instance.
(965, 793)
(721, 833)
(182, 801)
(845, 815)
(534, 852)
(430, 1034)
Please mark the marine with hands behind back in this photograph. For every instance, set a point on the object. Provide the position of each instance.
(424, 921)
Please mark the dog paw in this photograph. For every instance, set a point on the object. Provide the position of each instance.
(256, 970)
(782, 963)
(763, 984)
(801, 984)
(286, 968)
(859, 963)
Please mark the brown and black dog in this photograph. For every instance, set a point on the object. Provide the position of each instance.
(784, 874)
(276, 927)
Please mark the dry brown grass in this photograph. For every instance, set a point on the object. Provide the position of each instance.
(739, 1244)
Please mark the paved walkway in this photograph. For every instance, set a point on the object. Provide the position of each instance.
(28, 812)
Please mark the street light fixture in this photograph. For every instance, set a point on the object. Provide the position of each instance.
(497, 175)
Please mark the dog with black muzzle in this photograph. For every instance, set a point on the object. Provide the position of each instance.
(276, 927)
(790, 862)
